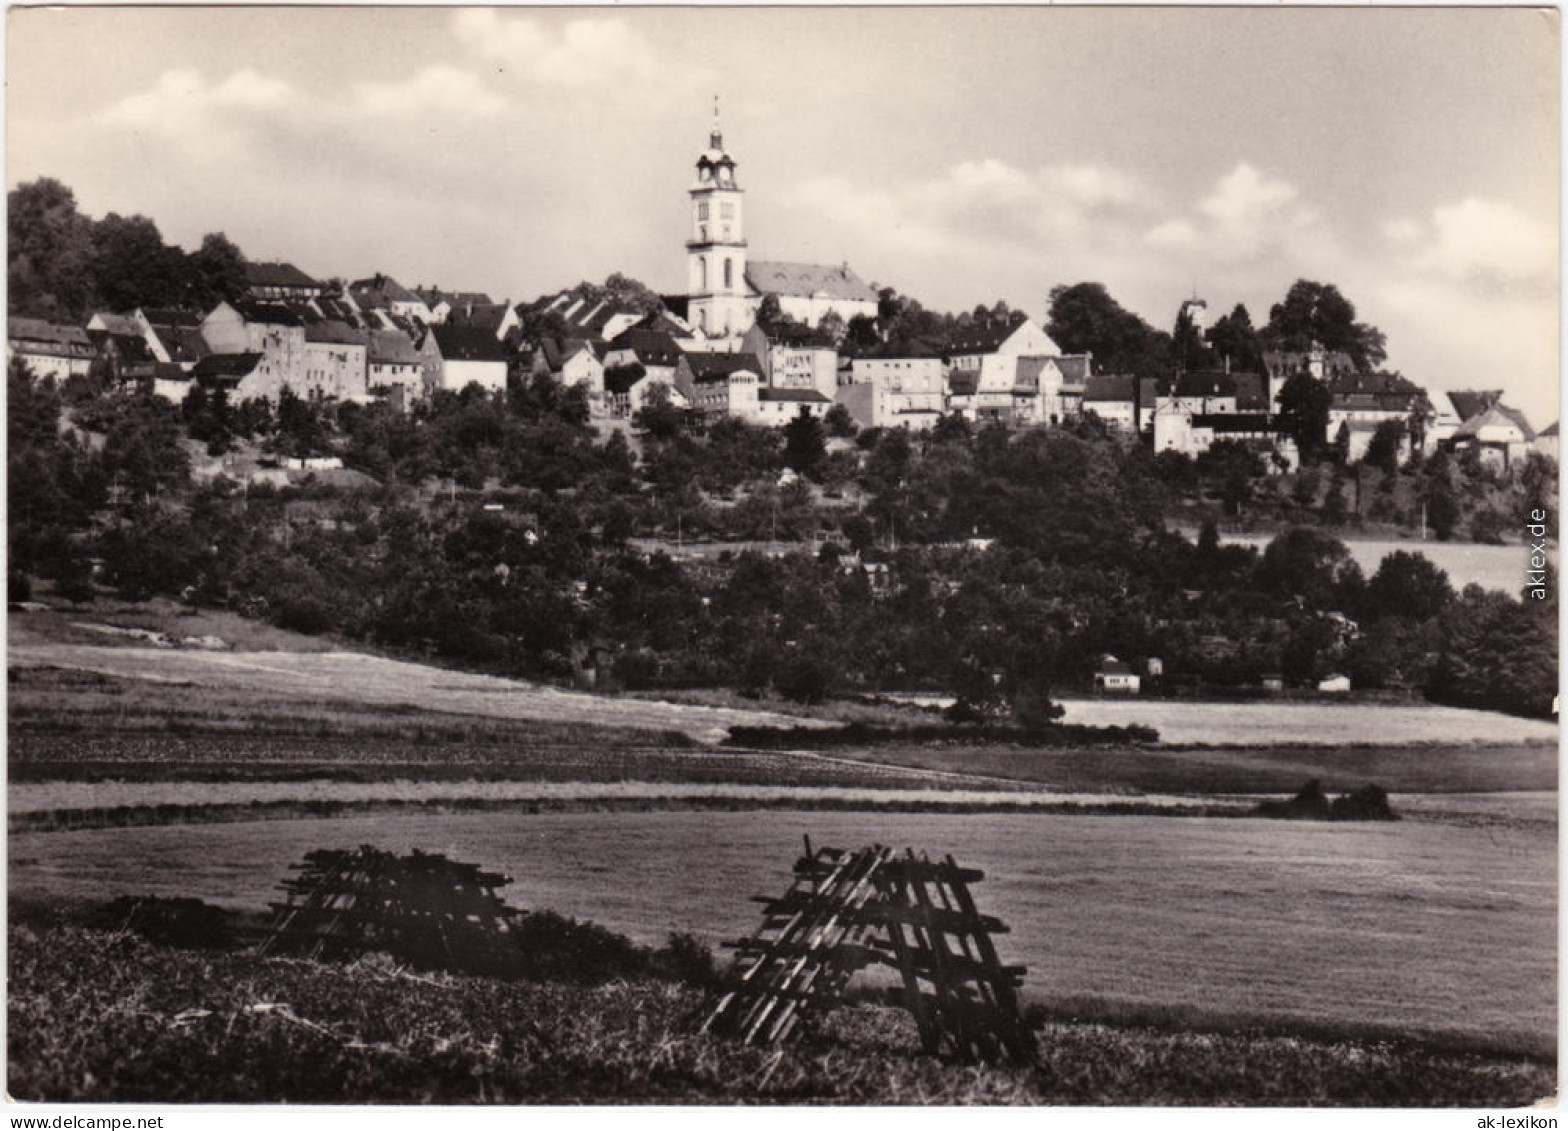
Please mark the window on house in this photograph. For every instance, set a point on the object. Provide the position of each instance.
(729, 273)
(702, 210)
(727, 210)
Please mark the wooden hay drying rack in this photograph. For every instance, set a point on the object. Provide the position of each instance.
(849, 910)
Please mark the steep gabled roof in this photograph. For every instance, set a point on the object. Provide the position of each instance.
(706, 367)
(392, 347)
(1232, 421)
(167, 316)
(486, 316)
(1496, 415)
(269, 313)
(982, 337)
(1252, 392)
(558, 353)
(1549, 430)
(803, 396)
(622, 378)
(48, 334)
(1026, 377)
(334, 332)
(1074, 367)
(652, 347)
(131, 348)
(1288, 363)
(1468, 404)
(434, 295)
(381, 290)
(121, 325)
(277, 275)
(807, 280)
(226, 366)
(468, 343)
(1102, 387)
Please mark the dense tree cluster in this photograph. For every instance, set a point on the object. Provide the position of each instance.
(993, 564)
(63, 265)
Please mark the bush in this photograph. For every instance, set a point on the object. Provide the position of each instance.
(552, 947)
(186, 923)
(309, 615)
(686, 958)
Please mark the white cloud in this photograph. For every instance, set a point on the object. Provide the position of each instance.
(1250, 214)
(591, 52)
(1172, 234)
(437, 91)
(183, 100)
(1489, 243)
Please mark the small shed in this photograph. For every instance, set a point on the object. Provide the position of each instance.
(1272, 683)
(1336, 684)
(1115, 676)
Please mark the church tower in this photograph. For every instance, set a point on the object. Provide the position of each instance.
(716, 251)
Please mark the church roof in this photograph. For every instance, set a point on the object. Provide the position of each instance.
(808, 280)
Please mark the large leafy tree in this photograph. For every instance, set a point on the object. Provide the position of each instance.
(1084, 318)
(49, 264)
(805, 446)
(1233, 338)
(133, 266)
(1408, 585)
(215, 272)
(1187, 346)
(1302, 413)
(1318, 312)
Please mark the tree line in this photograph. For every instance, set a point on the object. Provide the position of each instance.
(62, 265)
(995, 565)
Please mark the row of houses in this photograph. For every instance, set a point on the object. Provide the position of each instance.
(375, 339)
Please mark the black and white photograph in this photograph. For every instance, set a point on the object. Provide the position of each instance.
(862, 557)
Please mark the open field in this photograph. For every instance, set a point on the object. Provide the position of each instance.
(1413, 927)
(179, 1026)
(1351, 940)
(393, 683)
(1433, 768)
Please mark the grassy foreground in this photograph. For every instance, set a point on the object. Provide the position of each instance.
(103, 1016)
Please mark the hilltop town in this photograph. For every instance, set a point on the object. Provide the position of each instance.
(966, 502)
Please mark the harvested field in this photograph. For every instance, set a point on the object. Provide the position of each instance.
(1183, 723)
(1412, 928)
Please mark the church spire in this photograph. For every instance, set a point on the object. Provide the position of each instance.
(716, 138)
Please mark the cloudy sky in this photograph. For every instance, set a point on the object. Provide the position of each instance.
(961, 155)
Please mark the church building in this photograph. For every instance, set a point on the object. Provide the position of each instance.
(724, 289)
